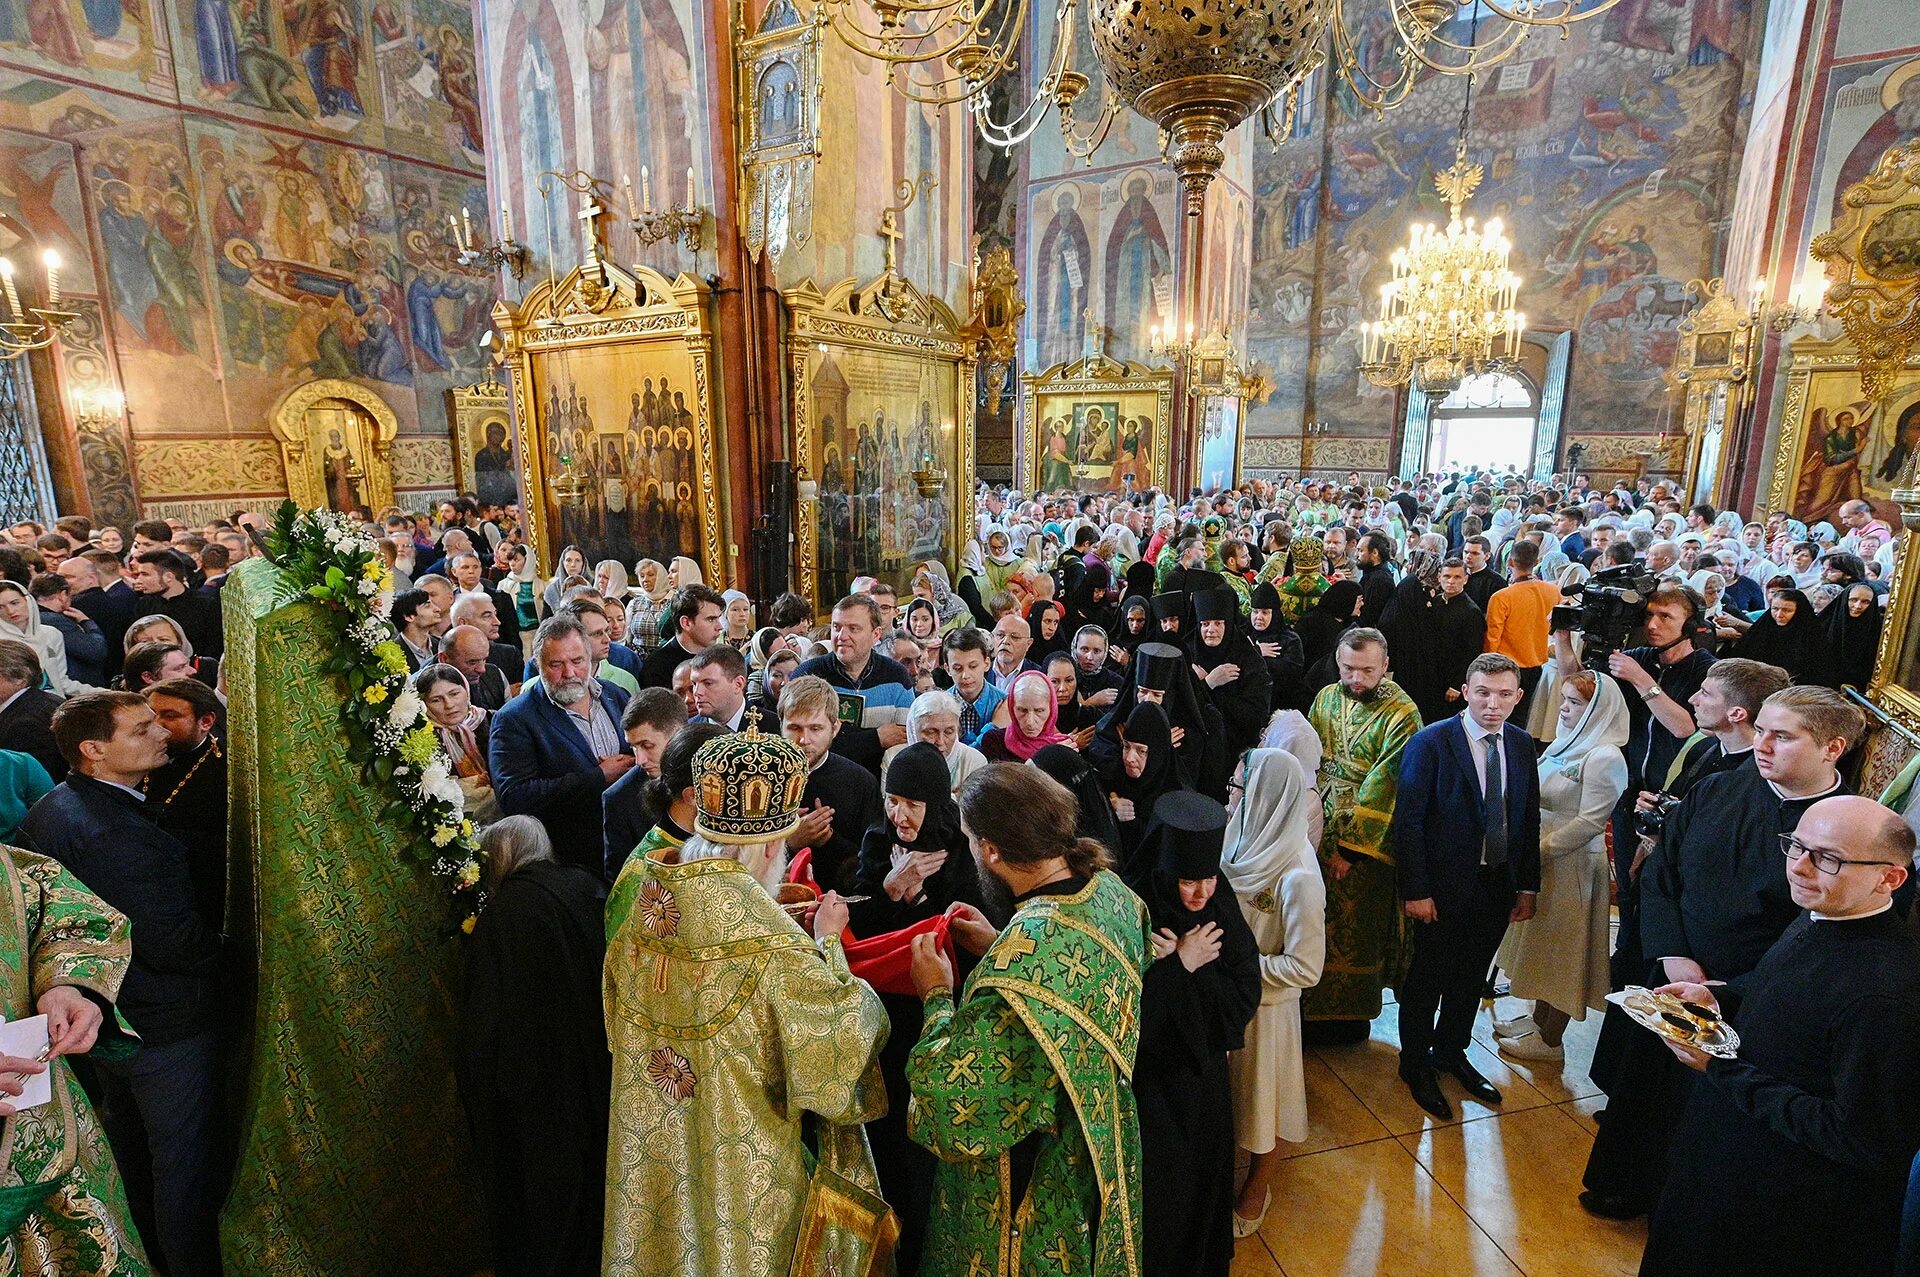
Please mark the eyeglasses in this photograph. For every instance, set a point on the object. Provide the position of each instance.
(1825, 861)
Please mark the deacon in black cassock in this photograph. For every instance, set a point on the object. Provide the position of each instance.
(533, 993)
(187, 796)
(1434, 631)
(1196, 1002)
(1713, 893)
(1279, 648)
(849, 789)
(1792, 1158)
(1227, 662)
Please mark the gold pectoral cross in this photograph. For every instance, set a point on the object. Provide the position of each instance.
(1008, 950)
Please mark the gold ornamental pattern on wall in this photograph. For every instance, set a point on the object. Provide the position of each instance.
(1872, 260)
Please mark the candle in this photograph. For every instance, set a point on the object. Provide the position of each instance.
(466, 229)
(690, 203)
(454, 226)
(52, 259)
(646, 189)
(6, 282)
(633, 209)
(506, 222)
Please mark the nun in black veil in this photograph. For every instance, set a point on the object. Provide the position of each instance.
(1163, 675)
(1134, 627)
(1196, 1002)
(1076, 771)
(1141, 770)
(1234, 674)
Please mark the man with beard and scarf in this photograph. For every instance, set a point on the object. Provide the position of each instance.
(1196, 1002)
(1279, 648)
(188, 796)
(1364, 721)
(1163, 675)
(553, 748)
(1020, 1086)
(915, 867)
(707, 1170)
(1436, 631)
(1227, 662)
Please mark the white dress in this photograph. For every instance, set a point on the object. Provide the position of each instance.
(1268, 1075)
(1560, 954)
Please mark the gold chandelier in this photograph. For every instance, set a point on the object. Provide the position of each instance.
(1196, 68)
(1448, 312)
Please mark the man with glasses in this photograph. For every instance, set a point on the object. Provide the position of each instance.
(1793, 1157)
(1713, 899)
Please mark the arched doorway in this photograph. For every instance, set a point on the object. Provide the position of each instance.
(335, 442)
(1488, 422)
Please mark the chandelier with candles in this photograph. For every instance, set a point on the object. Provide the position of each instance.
(29, 328)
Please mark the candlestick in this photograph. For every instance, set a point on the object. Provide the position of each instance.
(633, 209)
(646, 189)
(6, 282)
(52, 259)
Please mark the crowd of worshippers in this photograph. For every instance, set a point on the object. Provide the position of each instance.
(1329, 736)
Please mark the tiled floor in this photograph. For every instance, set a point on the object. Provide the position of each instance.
(1382, 1189)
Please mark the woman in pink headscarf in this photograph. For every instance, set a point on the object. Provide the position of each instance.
(1035, 724)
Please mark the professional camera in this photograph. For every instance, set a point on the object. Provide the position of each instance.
(1649, 823)
(1611, 605)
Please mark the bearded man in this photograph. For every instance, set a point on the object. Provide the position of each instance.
(728, 1025)
(1364, 722)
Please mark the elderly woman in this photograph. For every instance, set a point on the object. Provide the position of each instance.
(934, 717)
(462, 727)
(649, 601)
(156, 628)
(610, 579)
(533, 975)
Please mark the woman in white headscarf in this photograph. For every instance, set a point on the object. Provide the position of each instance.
(1544, 704)
(1559, 956)
(20, 620)
(610, 579)
(1710, 586)
(649, 601)
(683, 571)
(1270, 862)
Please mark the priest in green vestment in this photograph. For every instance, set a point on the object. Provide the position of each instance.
(1023, 1087)
(729, 1025)
(1364, 722)
(63, 1212)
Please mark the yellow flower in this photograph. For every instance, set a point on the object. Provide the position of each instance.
(375, 693)
(466, 829)
(469, 874)
(373, 569)
(418, 745)
(443, 834)
(466, 924)
(392, 659)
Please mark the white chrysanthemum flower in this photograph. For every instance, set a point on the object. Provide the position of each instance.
(406, 709)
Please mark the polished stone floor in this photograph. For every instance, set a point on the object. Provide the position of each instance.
(1380, 1187)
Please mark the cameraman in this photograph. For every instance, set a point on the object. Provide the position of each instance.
(1659, 680)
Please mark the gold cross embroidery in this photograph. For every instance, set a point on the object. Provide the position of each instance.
(976, 1266)
(1113, 999)
(1016, 1111)
(1060, 1255)
(1007, 950)
(1074, 963)
(962, 1069)
(965, 1111)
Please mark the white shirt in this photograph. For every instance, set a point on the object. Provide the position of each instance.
(11, 699)
(1817, 916)
(1476, 736)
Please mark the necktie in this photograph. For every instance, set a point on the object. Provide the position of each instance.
(969, 720)
(1494, 806)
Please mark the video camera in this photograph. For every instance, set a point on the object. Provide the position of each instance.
(1612, 605)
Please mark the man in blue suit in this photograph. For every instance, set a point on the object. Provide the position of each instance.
(557, 745)
(1466, 840)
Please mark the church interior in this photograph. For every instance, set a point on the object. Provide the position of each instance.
(784, 289)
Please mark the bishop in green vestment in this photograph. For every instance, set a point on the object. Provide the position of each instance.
(61, 1203)
(1023, 1087)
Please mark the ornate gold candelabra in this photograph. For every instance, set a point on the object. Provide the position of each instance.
(492, 254)
(682, 222)
(33, 327)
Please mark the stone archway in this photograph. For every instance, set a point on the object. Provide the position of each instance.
(336, 442)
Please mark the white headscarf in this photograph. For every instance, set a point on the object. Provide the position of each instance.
(685, 572)
(1605, 722)
(616, 574)
(47, 643)
(659, 580)
(1700, 581)
(1268, 833)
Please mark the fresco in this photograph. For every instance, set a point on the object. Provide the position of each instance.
(1608, 156)
(120, 42)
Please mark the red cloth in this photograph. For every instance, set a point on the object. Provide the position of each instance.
(884, 961)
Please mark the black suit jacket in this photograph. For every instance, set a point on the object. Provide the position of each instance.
(623, 820)
(112, 611)
(102, 834)
(1439, 820)
(541, 766)
(26, 725)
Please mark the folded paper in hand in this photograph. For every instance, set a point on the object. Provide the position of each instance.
(27, 1040)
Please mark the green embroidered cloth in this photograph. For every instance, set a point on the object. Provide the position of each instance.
(353, 1154)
